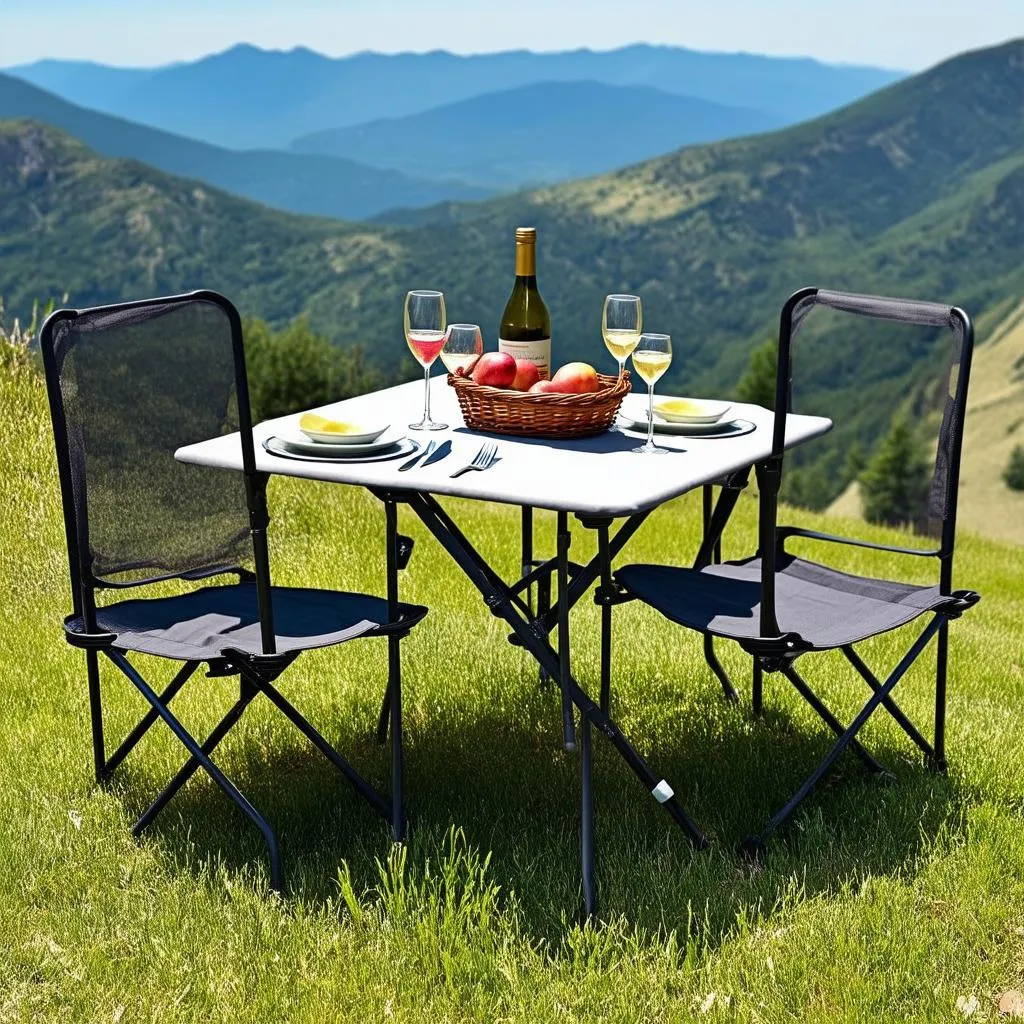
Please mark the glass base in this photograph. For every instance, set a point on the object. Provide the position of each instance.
(651, 449)
(428, 425)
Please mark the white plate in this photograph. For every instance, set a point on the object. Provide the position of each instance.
(297, 440)
(339, 453)
(368, 436)
(698, 410)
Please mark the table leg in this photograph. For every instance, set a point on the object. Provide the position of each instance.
(568, 712)
(587, 822)
(533, 636)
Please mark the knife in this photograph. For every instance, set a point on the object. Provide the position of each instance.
(412, 462)
(445, 448)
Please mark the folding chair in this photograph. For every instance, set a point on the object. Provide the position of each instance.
(129, 384)
(778, 607)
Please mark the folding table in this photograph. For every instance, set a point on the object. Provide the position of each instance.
(597, 480)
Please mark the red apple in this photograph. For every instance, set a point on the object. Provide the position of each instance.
(544, 387)
(527, 375)
(495, 369)
(576, 379)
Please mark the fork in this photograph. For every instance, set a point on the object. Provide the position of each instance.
(484, 459)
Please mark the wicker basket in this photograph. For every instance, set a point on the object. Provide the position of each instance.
(500, 411)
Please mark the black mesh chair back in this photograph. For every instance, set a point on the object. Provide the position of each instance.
(130, 385)
(946, 476)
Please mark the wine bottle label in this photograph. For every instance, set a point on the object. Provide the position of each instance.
(538, 352)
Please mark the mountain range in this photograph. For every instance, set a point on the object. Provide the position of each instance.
(248, 98)
(917, 190)
(303, 183)
(538, 134)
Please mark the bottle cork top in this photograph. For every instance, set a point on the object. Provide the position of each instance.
(526, 234)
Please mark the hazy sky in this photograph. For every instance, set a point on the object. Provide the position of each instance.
(896, 33)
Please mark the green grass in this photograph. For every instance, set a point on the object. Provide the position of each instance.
(878, 904)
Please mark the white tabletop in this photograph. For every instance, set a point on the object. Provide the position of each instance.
(597, 476)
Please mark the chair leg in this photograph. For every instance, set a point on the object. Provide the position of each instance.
(149, 719)
(716, 666)
(296, 718)
(189, 743)
(99, 756)
(587, 822)
(938, 758)
(383, 718)
(191, 766)
(889, 704)
(755, 844)
(757, 688)
(830, 720)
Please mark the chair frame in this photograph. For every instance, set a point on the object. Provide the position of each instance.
(256, 673)
(777, 651)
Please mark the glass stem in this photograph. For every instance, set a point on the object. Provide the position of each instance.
(426, 394)
(650, 415)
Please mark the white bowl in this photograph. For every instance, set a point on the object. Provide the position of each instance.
(690, 410)
(364, 433)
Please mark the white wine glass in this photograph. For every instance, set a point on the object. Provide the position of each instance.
(651, 358)
(463, 346)
(621, 323)
(424, 333)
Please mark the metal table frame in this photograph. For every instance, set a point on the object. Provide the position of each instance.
(532, 626)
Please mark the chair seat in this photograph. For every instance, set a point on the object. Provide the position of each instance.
(206, 623)
(825, 607)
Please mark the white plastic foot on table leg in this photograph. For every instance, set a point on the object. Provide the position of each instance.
(662, 792)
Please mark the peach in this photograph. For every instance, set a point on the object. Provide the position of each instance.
(576, 379)
(527, 375)
(544, 387)
(495, 369)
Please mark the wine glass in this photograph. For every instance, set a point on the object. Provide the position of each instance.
(651, 358)
(621, 324)
(424, 331)
(463, 346)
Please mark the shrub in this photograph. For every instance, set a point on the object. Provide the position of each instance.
(757, 385)
(1013, 475)
(297, 369)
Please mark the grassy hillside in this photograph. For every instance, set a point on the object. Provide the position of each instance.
(250, 98)
(539, 133)
(917, 190)
(995, 426)
(302, 183)
(884, 904)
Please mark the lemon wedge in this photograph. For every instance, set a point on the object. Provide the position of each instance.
(321, 425)
(680, 407)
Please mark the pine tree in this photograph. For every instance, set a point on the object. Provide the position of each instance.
(894, 487)
(757, 385)
(1013, 475)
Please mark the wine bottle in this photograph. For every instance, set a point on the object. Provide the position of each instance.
(525, 331)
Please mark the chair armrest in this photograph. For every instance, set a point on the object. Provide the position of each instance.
(76, 634)
(784, 532)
